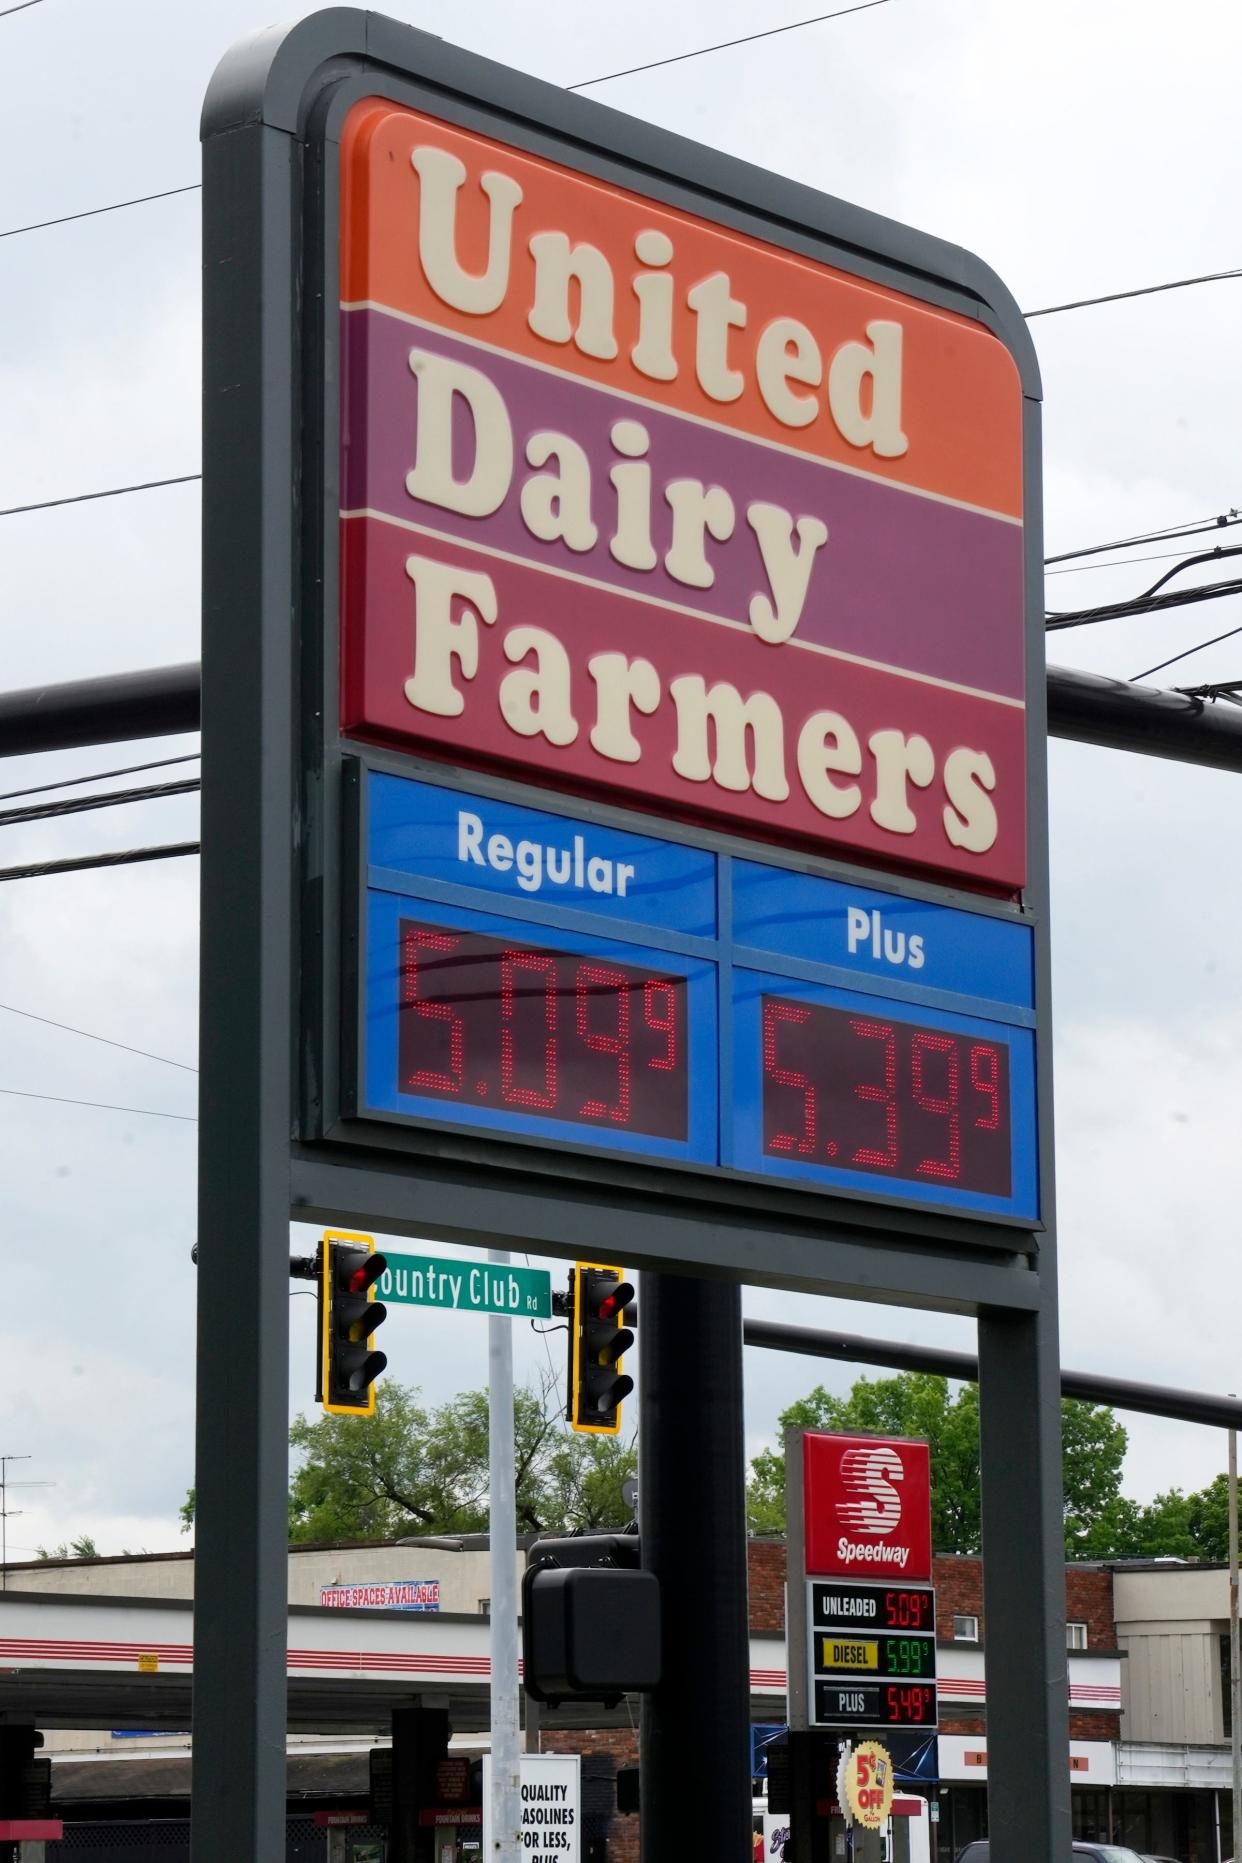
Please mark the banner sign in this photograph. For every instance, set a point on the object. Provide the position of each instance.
(401, 1594)
(865, 1784)
(551, 1807)
(638, 506)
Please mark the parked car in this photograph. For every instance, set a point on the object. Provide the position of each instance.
(980, 1852)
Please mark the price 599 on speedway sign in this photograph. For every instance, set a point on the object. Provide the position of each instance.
(862, 1643)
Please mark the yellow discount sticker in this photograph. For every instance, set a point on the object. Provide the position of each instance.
(868, 1782)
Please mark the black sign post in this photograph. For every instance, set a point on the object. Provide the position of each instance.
(317, 908)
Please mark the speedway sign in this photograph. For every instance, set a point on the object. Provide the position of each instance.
(862, 1648)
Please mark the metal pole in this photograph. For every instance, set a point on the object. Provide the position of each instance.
(506, 1778)
(1235, 1667)
(1024, 1583)
(163, 700)
(695, 1746)
(247, 989)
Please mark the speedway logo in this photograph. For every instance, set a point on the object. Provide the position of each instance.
(867, 1505)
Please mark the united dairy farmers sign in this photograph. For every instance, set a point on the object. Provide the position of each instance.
(642, 507)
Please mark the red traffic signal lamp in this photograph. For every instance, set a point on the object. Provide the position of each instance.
(598, 1298)
(349, 1316)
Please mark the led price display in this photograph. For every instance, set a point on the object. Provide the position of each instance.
(488, 1021)
(846, 1703)
(912, 1656)
(867, 1608)
(891, 1098)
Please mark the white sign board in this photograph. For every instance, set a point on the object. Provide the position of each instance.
(551, 1807)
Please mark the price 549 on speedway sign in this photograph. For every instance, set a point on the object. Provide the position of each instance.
(862, 1639)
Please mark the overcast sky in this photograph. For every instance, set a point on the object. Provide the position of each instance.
(1079, 150)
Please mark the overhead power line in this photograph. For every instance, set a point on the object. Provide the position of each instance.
(110, 799)
(19, 8)
(1186, 653)
(1126, 562)
(1139, 291)
(725, 45)
(1193, 527)
(42, 869)
(103, 1106)
(113, 491)
(89, 213)
(1143, 605)
(50, 1022)
(99, 776)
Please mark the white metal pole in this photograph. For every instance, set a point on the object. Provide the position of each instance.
(1235, 1668)
(506, 1785)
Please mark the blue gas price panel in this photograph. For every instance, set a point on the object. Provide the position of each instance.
(922, 1080)
(483, 1007)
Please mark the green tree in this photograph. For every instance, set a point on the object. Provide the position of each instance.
(83, 1547)
(1172, 1526)
(920, 1404)
(409, 1469)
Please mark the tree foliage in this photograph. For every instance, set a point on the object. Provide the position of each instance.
(410, 1469)
(920, 1404)
(83, 1547)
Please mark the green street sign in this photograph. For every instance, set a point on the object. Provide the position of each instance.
(466, 1286)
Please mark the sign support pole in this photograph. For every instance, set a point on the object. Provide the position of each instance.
(246, 999)
(506, 1798)
(695, 1741)
(1024, 1582)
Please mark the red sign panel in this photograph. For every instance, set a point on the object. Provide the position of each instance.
(867, 1507)
(636, 506)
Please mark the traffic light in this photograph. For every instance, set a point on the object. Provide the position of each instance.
(598, 1298)
(349, 1316)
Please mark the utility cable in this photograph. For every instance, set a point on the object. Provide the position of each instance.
(1193, 527)
(113, 491)
(1150, 599)
(103, 1106)
(1215, 640)
(725, 45)
(1143, 605)
(1140, 291)
(126, 857)
(1166, 556)
(110, 799)
(99, 776)
(88, 213)
(19, 8)
(50, 1022)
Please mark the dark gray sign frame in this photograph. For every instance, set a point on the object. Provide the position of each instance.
(273, 1143)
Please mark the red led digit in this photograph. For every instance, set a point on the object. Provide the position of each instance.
(595, 980)
(945, 1104)
(512, 964)
(663, 1020)
(986, 1082)
(885, 1096)
(441, 1080)
(774, 1012)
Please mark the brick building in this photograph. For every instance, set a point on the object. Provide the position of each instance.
(1148, 1695)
